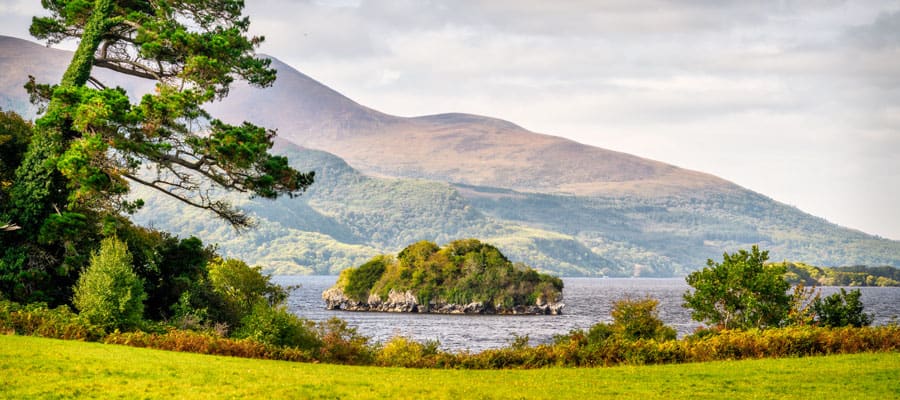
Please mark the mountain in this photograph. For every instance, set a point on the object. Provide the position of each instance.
(458, 148)
(384, 182)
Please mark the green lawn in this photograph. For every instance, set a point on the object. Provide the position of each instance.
(45, 368)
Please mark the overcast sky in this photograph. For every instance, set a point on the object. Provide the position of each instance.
(798, 101)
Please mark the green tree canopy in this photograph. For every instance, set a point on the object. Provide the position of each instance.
(194, 50)
(70, 186)
(741, 292)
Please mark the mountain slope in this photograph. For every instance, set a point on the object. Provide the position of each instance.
(459, 148)
(552, 203)
(347, 217)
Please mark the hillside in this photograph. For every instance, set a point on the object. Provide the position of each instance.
(385, 181)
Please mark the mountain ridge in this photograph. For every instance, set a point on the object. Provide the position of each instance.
(455, 147)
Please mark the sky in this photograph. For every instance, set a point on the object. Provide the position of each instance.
(799, 101)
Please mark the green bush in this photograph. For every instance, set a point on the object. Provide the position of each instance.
(108, 292)
(38, 320)
(403, 352)
(635, 319)
(343, 344)
(239, 288)
(841, 309)
(275, 325)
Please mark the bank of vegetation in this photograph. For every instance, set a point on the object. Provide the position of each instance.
(743, 302)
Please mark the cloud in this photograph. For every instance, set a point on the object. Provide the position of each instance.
(882, 33)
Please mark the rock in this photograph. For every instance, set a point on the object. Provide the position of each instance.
(335, 299)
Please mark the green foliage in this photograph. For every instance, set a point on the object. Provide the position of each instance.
(741, 292)
(635, 319)
(241, 288)
(15, 134)
(462, 272)
(357, 281)
(275, 325)
(842, 309)
(841, 276)
(343, 344)
(406, 353)
(64, 182)
(39, 320)
(169, 267)
(96, 139)
(108, 292)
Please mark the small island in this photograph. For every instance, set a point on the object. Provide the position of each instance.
(464, 277)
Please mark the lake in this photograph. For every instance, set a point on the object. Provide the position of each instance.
(588, 301)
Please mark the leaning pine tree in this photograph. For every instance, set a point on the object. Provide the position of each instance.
(92, 142)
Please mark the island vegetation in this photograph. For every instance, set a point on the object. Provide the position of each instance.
(463, 277)
(857, 275)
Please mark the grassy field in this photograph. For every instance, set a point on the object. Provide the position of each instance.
(45, 368)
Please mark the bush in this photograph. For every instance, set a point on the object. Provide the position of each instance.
(39, 320)
(841, 309)
(239, 288)
(403, 352)
(635, 319)
(108, 292)
(275, 325)
(194, 342)
(342, 344)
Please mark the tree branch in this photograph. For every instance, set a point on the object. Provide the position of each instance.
(238, 220)
(138, 70)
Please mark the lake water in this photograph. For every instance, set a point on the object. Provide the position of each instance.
(588, 301)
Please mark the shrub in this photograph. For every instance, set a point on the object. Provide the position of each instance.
(403, 352)
(841, 309)
(39, 320)
(275, 325)
(635, 319)
(201, 343)
(239, 288)
(108, 292)
(342, 344)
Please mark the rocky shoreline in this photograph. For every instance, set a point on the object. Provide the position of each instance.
(335, 299)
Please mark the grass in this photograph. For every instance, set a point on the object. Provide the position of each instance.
(45, 368)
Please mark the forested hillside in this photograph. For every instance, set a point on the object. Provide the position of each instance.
(347, 217)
